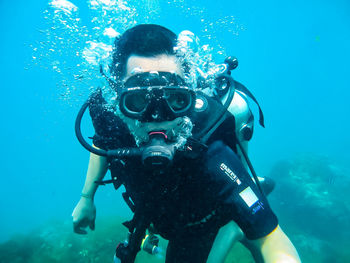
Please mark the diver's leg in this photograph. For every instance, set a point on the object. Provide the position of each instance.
(227, 236)
(231, 232)
(190, 249)
(267, 185)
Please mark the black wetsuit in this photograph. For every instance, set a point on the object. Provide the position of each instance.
(192, 199)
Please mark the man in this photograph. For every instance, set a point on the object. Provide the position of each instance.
(187, 182)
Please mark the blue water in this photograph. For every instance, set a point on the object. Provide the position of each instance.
(293, 56)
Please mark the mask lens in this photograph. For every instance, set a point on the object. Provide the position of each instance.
(136, 101)
(178, 100)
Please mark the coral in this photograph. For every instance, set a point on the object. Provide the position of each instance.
(55, 242)
(312, 202)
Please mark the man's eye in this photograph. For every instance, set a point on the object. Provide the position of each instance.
(178, 101)
(136, 102)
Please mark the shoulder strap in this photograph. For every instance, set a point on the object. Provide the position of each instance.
(202, 121)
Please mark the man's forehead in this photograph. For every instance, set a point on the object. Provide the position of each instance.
(165, 63)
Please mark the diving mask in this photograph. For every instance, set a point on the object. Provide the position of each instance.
(156, 97)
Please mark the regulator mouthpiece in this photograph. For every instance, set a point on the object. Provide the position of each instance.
(157, 153)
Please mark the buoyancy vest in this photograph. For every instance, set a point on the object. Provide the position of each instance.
(112, 133)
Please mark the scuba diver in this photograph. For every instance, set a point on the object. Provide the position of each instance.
(180, 154)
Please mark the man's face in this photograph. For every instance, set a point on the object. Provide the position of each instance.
(162, 63)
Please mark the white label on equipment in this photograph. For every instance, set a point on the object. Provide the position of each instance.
(230, 173)
(248, 196)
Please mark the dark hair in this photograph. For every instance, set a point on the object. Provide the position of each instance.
(144, 40)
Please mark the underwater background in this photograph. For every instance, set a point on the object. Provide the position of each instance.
(293, 55)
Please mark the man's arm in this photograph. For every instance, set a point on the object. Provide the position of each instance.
(84, 213)
(276, 248)
(96, 171)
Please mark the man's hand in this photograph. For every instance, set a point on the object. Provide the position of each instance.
(84, 215)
